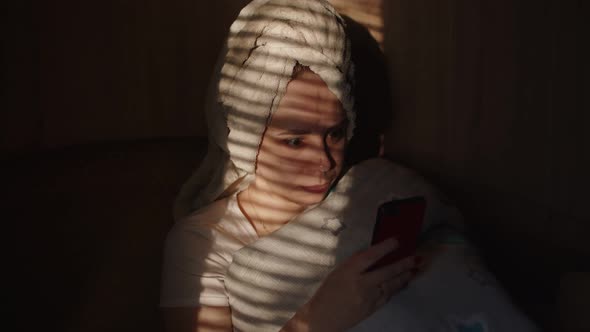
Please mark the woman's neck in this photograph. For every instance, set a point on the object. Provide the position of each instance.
(266, 211)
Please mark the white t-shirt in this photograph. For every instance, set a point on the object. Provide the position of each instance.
(454, 294)
(200, 248)
(198, 251)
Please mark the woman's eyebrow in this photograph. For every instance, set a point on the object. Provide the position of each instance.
(304, 131)
(341, 124)
(293, 131)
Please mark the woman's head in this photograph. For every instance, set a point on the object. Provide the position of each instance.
(267, 42)
(302, 151)
(254, 79)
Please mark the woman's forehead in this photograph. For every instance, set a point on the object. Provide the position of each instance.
(308, 102)
(307, 84)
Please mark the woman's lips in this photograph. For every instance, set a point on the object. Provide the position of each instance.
(317, 189)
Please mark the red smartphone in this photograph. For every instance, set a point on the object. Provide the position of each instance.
(401, 219)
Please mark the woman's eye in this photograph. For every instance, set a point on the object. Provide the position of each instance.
(337, 134)
(294, 142)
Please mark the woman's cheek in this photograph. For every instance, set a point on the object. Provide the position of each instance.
(280, 174)
(293, 161)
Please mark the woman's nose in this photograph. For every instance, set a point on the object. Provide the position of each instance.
(324, 164)
(325, 159)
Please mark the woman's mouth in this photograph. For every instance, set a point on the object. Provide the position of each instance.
(317, 189)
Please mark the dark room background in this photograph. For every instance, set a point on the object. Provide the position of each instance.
(490, 102)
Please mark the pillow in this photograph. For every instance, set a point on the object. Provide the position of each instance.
(455, 293)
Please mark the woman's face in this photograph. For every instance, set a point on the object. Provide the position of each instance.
(302, 150)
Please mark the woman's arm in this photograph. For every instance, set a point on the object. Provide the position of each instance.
(351, 293)
(348, 295)
(202, 319)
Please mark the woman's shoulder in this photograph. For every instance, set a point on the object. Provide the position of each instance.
(384, 180)
(393, 179)
(218, 225)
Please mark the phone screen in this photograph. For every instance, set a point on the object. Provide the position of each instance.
(401, 219)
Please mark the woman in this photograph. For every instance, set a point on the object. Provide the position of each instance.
(273, 229)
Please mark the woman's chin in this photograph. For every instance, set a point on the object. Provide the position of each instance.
(316, 190)
(306, 198)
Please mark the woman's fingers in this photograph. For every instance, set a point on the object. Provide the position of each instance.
(392, 286)
(390, 271)
(389, 279)
(350, 288)
(365, 259)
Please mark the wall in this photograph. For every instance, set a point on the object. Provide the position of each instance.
(80, 72)
(490, 95)
(492, 104)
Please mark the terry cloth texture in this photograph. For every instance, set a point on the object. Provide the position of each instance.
(267, 40)
(198, 251)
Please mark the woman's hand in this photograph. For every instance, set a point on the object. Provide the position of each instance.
(350, 293)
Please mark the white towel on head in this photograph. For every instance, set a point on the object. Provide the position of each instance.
(266, 41)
